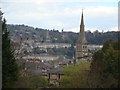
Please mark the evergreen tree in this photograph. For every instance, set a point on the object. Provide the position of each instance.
(9, 66)
(104, 67)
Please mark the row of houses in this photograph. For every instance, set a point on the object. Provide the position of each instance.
(52, 45)
(44, 57)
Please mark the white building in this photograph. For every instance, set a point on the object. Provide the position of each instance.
(52, 45)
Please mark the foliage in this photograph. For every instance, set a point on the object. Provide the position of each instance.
(39, 34)
(31, 81)
(102, 72)
(104, 67)
(57, 51)
(68, 52)
(71, 52)
(38, 80)
(9, 66)
(75, 76)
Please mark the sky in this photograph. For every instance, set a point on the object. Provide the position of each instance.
(101, 15)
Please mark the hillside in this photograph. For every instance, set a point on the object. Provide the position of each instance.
(39, 34)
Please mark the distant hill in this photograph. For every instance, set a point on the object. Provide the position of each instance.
(39, 34)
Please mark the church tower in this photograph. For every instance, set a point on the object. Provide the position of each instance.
(81, 45)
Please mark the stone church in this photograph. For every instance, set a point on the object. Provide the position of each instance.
(81, 45)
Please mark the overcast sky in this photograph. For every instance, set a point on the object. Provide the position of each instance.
(62, 14)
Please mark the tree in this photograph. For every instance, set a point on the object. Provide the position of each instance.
(104, 67)
(71, 51)
(32, 81)
(9, 66)
(75, 76)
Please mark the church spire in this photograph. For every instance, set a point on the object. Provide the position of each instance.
(82, 38)
(81, 45)
(82, 19)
